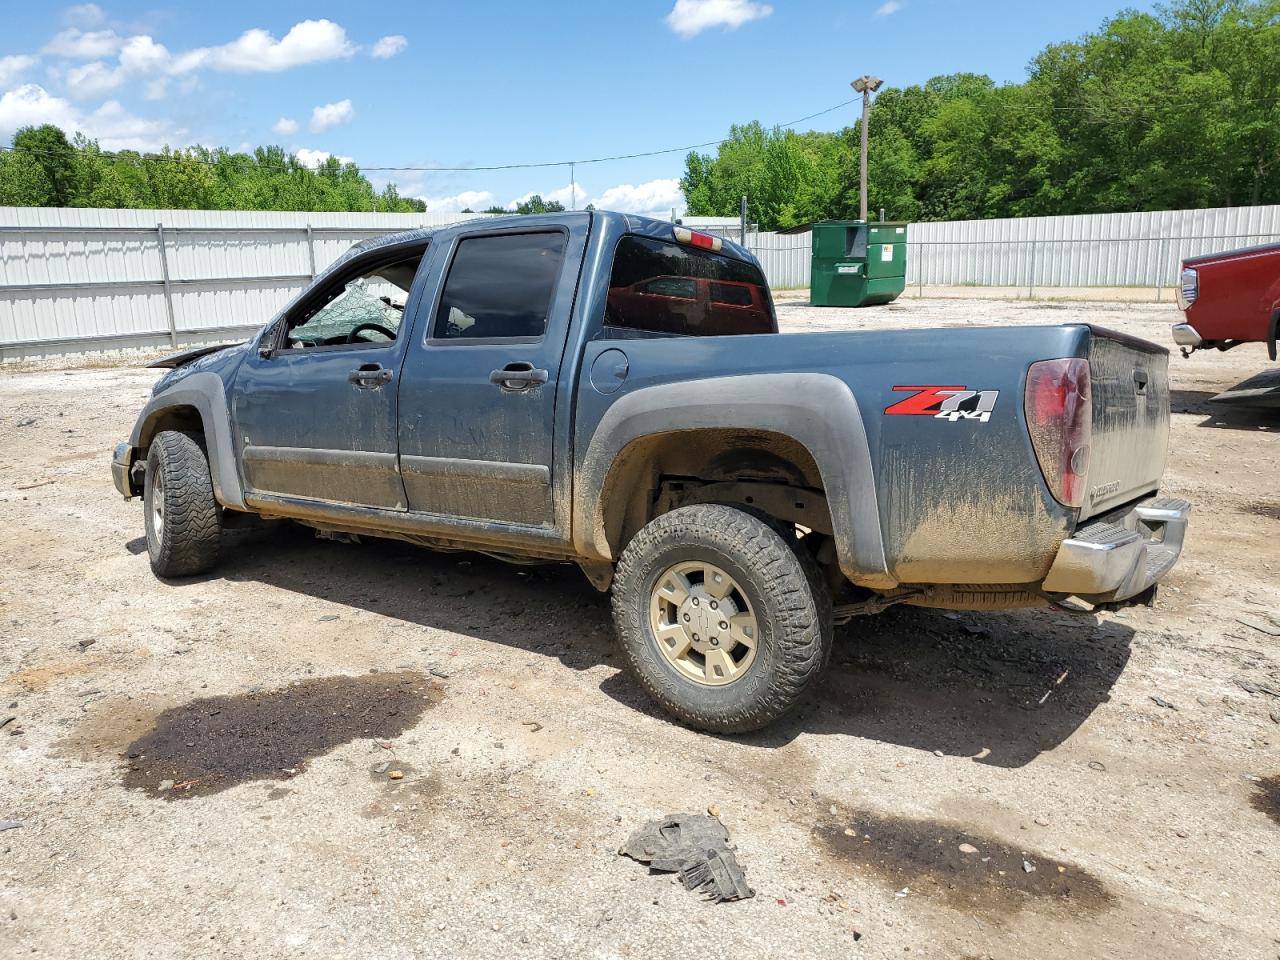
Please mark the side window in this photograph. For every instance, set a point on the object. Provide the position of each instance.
(365, 309)
(500, 287)
(654, 289)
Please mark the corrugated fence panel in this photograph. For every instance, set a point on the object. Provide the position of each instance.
(73, 279)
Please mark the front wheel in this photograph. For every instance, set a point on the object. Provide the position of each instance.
(184, 523)
(723, 622)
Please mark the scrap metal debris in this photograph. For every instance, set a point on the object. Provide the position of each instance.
(696, 847)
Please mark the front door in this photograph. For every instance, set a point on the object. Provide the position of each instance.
(316, 415)
(477, 397)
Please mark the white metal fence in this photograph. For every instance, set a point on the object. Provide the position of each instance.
(76, 280)
(1034, 253)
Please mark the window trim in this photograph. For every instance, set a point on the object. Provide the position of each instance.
(432, 341)
(392, 253)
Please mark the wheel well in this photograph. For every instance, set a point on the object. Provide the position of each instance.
(183, 417)
(767, 472)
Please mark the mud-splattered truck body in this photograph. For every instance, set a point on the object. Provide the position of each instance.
(612, 390)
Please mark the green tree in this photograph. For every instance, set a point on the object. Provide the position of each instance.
(535, 204)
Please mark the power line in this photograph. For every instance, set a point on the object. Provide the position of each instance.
(180, 158)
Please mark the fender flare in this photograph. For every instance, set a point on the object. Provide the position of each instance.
(817, 410)
(205, 392)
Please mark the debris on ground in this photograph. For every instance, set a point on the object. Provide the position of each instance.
(1162, 702)
(9, 825)
(1248, 686)
(1270, 629)
(696, 847)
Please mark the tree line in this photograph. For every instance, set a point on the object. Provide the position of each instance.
(45, 169)
(1174, 109)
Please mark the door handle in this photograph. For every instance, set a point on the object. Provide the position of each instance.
(517, 376)
(370, 375)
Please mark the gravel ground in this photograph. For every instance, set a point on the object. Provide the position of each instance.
(437, 755)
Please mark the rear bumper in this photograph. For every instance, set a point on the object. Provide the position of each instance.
(121, 462)
(1185, 335)
(1119, 556)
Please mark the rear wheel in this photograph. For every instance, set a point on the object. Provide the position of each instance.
(721, 619)
(184, 523)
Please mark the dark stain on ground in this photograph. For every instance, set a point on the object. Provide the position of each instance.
(925, 856)
(208, 745)
(1269, 510)
(1266, 799)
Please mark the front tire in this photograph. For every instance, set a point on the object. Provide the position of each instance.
(184, 523)
(722, 621)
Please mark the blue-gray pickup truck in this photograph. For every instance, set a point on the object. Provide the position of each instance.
(613, 391)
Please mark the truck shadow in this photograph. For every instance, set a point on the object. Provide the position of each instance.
(1001, 687)
(1225, 416)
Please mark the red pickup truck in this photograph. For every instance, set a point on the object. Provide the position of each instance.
(1229, 299)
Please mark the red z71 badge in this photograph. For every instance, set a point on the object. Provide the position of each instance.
(944, 403)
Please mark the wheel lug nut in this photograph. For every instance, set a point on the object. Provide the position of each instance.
(695, 636)
(714, 605)
(695, 601)
(687, 618)
(723, 625)
(715, 642)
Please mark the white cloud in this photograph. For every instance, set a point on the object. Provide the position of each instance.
(690, 17)
(84, 15)
(76, 44)
(331, 115)
(313, 158)
(141, 54)
(888, 8)
(111, 124)
(466, 200)
(654, 198)
(285, 127)
(388, 47)
(92, 80)
(13, 67)
(257, 51)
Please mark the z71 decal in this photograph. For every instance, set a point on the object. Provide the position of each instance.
(944, 403)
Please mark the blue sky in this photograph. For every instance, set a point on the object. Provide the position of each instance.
(484, 83)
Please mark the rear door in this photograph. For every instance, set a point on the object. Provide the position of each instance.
(478, 390)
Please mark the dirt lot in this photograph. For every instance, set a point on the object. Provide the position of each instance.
(1117, 774)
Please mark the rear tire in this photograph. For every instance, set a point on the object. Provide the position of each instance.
(765, 645)
(184, 522)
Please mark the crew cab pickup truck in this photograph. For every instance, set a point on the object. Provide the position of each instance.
(500, 386)
(1230, 298)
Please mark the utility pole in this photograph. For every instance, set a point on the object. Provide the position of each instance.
(865, 85)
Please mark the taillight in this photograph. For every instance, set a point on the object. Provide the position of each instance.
(1189, 287)
(1060, 418)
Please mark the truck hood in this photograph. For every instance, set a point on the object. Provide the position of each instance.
(175, 360)
(222, 360)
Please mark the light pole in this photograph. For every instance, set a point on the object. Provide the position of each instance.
(865, 85)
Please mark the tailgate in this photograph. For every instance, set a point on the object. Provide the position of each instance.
(1130, 382)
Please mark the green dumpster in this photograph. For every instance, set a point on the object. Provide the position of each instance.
(857, 264)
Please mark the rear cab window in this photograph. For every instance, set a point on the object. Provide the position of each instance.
(659, 288)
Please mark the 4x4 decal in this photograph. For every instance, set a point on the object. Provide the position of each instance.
(944, 403)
